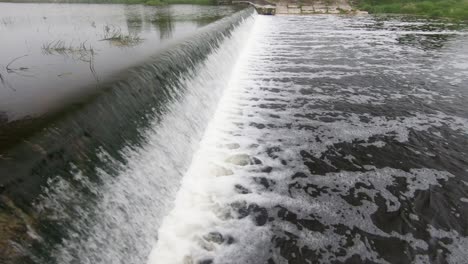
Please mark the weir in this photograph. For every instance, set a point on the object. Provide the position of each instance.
(256, 139)
(262, 9)
(115, 161)
(298, 163)
(312, 7)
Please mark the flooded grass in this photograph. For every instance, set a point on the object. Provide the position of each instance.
(18, 70)
(81, 52)
(11, 69)
(6, 21)
(55, 53)
(59, 47)
(115, 36)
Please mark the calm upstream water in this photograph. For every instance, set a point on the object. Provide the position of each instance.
(256, 139)
(54, 54)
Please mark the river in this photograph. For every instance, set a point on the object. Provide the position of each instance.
(258, 139)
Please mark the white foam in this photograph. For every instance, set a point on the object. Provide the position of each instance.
(263, 110)
(121, 225)
(192, 213)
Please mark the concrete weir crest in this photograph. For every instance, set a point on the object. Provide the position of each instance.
(304, 7)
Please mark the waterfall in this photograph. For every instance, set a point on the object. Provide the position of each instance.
(103, 174)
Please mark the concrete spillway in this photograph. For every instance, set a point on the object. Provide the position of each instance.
(256, 140)
(309, 7)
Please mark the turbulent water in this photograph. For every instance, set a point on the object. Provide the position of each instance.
(339, 140)
(286, 139)
(92, 185)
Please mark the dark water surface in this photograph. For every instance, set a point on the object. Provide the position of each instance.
(286, 139)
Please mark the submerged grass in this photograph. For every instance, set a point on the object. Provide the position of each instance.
(457, 9)
(6, 21)
(80, 52)
(115, 36)
(59, 47)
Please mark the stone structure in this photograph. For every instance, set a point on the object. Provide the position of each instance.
(314, 7)
(304, 7)
(263, 8)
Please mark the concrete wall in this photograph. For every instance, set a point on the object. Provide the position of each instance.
(313, 7)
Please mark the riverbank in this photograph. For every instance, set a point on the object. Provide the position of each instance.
(301, 7)
(171, 2)
(456, 9)
(308, 7)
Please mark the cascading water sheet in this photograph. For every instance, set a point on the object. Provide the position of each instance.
(130, 205)
(338, 140)
(111, 168)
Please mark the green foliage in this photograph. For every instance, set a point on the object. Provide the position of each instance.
(457, 9)
(153, 3)
(343, 11)
(195, 2)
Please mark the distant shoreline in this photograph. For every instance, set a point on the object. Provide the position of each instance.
(452, 9)
(455, 9)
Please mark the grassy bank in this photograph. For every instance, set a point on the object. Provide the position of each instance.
(147, 2)
(457, 9)
(169, 2)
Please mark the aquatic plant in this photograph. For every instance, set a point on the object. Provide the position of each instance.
(13, 69)
(115, 36)
(81, 52)
(10, 69)
(6, 21)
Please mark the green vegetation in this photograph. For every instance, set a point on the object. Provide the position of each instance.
(115, 36)
(59, 47)
(457, 9)
(130, 2)
(169, 2)
(195, 2)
